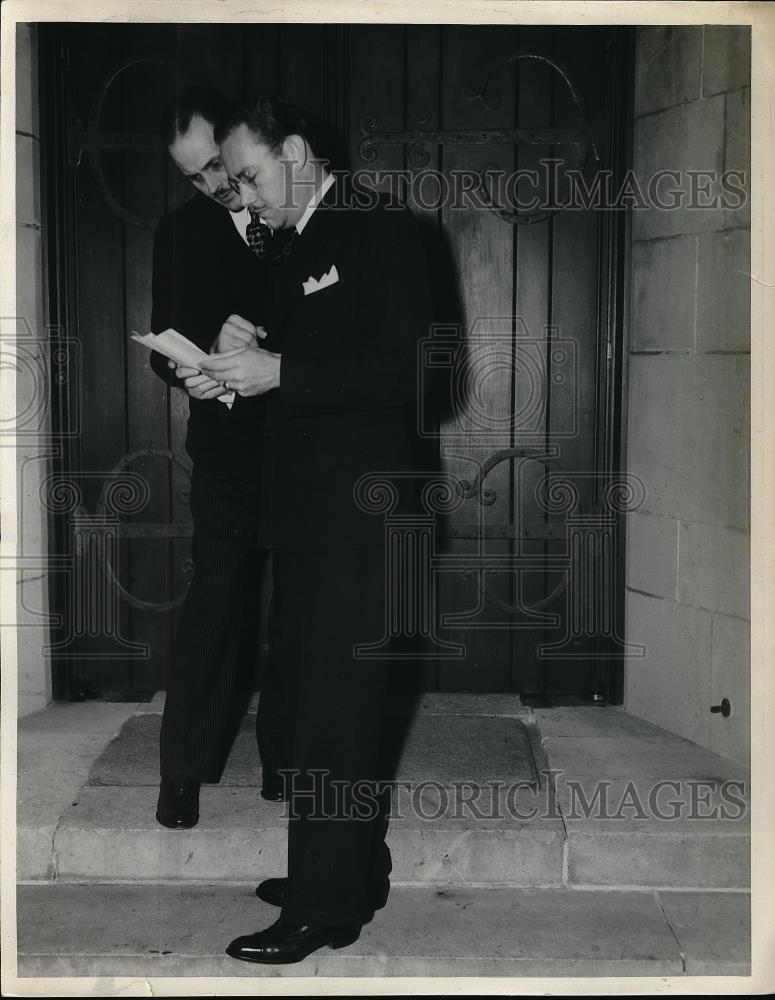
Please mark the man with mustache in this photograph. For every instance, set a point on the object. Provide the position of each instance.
(338, 372)
(205, 268)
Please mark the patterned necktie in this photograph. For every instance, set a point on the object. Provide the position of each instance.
(259, 236)
(282, 245)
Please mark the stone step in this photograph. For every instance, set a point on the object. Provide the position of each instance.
(672, 814)
(111, 833)
(162, 931)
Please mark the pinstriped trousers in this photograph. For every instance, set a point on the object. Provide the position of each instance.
(326, 603)
(209, 677)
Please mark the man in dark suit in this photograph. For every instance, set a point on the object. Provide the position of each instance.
(204, 270)
(338, 373)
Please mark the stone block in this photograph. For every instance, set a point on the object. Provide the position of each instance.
(726, 57)
(32, 638)
(52, 767)
(668, 65)
(670, 686)
(683, 860)
(634, 758)
(663, 304)
(34, 853)
(689, 137)
(713, 930)
(27, 108)
(724, 291)
(529, 857)
(652, 554)
(110, 833)
(693, 801)
(57, 753)
(28, 703)
(31, 321)
(689, 435)
(714, 569)
(33, 410)
(33, 466)
(731, 678)
(737, 153)
(175, 930)
(28, 212)
(609, 721)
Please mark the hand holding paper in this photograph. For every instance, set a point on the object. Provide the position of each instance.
(184, 353)
(196, 384)
(237, 332)
(252, 371)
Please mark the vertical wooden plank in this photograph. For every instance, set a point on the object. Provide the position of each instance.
(482, 247)
(261, 47)
(94, 51)
(302, 58)
(533, 315)
(422, 88)
(147, 412)
(575, 276)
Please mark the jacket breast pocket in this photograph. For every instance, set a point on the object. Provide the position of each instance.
(325, 306)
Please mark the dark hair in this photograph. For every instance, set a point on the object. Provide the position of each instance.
(272, 119)
(206, 102)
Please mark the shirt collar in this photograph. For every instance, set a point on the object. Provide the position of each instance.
(241, 220)
(314, 201)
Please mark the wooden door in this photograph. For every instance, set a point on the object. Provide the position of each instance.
(524, 307)
(526, 576)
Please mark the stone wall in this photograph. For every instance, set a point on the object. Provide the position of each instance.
(687, 596)
(32, 401)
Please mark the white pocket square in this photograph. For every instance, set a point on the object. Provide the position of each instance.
(315, 284)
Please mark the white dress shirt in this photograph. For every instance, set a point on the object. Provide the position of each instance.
(313, 203)
(241, 220)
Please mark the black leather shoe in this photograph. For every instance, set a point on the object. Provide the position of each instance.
(178, 806)
(274, 890)
(283, 943)
(273, 786)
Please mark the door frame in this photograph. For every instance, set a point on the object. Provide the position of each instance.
(58, 213)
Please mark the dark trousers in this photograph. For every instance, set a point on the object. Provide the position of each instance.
(325, 603)
(210, 675)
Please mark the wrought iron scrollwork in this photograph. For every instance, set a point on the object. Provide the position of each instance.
(419, 136)
(92, 141)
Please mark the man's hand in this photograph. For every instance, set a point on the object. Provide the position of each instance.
(235, 333)
(249, 371)
(196, 384)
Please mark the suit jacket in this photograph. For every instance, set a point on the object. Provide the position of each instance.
(346, 405)
(202, 272)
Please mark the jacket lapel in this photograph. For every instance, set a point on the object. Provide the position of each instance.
(308, 255)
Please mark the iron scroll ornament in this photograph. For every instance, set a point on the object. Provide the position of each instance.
(556, 494)
(419, 136)
(92, 141)
(122, 493)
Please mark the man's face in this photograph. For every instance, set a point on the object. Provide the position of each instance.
(267, 182)
(198, 158)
